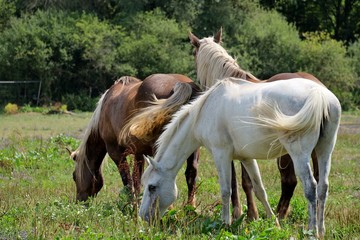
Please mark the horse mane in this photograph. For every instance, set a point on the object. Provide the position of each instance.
(92, 131)
(147, 124)
(125, 80)
(191, 110)
(214, 63)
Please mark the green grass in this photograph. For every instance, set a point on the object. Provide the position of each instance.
(38, 125)
(37, 192)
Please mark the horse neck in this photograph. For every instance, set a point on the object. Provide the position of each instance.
(175, 145)
(214, 65)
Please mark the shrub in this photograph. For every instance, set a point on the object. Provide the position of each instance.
(11, 108)
(156, 44)
(327, 60)
(81, 102)
(266, 51)
(354, 54)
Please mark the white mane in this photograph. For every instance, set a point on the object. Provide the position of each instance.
(191, 110)
(214, 63)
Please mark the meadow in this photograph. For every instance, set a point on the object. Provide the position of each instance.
(37, 193)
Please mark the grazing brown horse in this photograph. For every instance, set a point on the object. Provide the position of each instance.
(110, 131)
(214, 63)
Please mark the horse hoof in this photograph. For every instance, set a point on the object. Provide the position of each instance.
(277, 223)
(237, 212)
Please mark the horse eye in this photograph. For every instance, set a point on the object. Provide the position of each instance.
(152, 188)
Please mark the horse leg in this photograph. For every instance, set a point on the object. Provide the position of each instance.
(288, 184)
(137, 173)
(289, 181)
(252, 213)
(315, 165)
(223, 159)
(300, 152)
(118, 155)
(237, 210)
(303, 170)
(324, 149)
(190, 175)
(254, 174)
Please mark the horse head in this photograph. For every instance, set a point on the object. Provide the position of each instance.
(160, 191)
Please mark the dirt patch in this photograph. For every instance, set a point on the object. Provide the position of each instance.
(349, 129)
(350, 124)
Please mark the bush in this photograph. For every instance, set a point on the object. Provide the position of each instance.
(354, 54)
(266, 51)
(11, 108)
(327, 60)
(81, 102)
(156, 45)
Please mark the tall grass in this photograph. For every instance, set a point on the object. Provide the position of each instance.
(37, 197)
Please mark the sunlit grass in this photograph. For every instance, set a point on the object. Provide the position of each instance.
(37, 196)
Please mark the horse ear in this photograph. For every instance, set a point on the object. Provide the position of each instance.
(194, 40)
(69, 151)
(218, 35)
(151, 161)
(72, 154)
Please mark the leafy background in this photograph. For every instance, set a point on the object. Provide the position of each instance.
(78, 48)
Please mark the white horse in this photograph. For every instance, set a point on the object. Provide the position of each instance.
(292, 116)
(213, 63)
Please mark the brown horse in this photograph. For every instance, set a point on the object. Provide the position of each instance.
(213, 63)
(109, 131)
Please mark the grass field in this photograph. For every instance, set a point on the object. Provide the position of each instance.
(37, 191)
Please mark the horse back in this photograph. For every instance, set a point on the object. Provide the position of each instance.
(161, 86)
(117, 106)
(286, 76)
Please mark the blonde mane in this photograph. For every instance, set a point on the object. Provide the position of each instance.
(148, 122)
(214, 63)
(93, 128)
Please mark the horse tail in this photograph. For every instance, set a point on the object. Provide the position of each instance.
(148, 123)
(92, 131)
(311, 116)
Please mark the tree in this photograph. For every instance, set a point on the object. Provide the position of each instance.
(157, 44)
(266, 44)
(339, 18)
(228, 14)
(7, 10)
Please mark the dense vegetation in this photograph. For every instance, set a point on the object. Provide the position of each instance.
(78, 48)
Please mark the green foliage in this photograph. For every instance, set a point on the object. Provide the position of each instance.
(97, 42)
(157, 45)
(327, 60)
(35, 48)
(77, 47)
(338, 18)
(354, 54)
(266, 44)
(28, 108)
(80, 102)
(228, 14)
(276, 48)
(7, 10)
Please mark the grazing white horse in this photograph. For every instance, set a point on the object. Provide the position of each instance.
(291, 116)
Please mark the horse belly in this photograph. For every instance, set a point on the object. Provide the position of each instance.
(256, 143)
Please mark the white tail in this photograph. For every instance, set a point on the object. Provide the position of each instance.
(310, 116)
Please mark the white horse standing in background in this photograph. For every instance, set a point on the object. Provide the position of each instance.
(292, 116)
